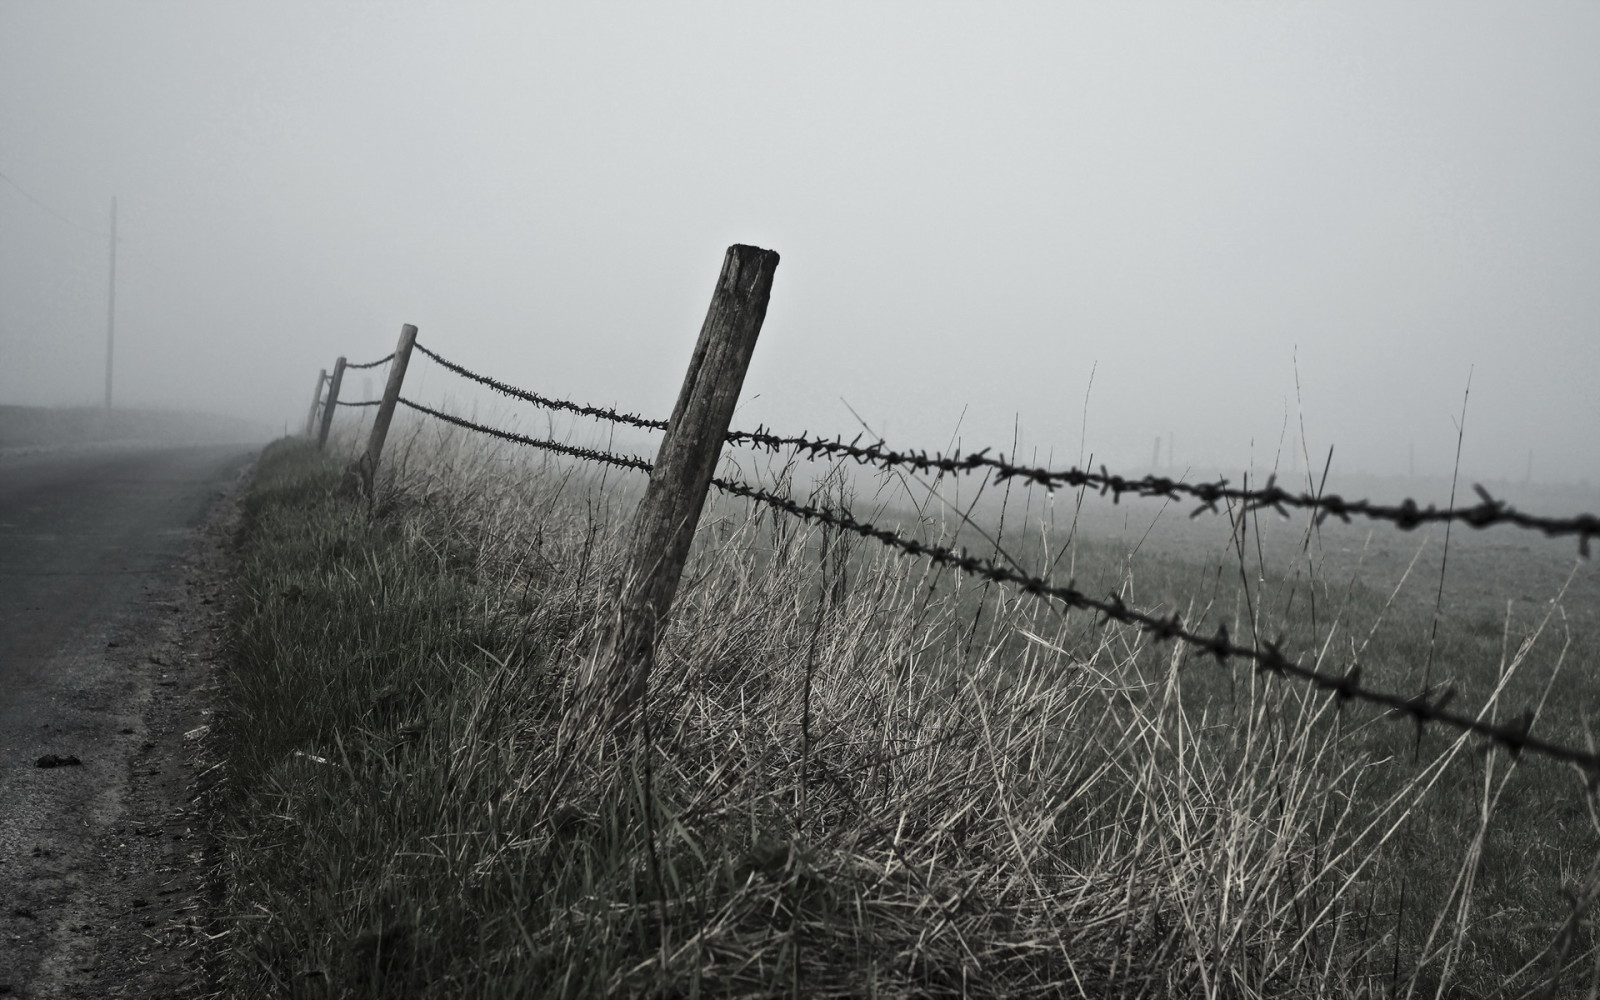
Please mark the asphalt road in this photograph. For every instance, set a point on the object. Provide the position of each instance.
(93, 543)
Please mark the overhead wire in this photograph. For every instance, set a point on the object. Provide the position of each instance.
(40, 204)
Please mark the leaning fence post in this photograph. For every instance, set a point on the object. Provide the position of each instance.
(332, 403)
(367, 468)
(316, 401)
(664, 525)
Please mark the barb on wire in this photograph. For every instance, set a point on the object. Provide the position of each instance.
(604, 413)
(1515, 736)
(371, 364)
(589, 454)
(1406, 515)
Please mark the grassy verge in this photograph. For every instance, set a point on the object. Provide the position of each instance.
(864, 777)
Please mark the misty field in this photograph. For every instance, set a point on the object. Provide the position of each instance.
(27, 427)
(867, 776)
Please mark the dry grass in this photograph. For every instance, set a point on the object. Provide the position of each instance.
(859, 776)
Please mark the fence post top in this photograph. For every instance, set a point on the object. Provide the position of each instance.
(742, 255)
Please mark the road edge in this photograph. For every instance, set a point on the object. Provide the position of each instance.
(144, 915)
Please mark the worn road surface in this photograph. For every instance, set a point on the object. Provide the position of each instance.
(110, 582)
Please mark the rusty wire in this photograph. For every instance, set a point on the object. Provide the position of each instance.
(588, 454)
(511, 391)
(371, 364)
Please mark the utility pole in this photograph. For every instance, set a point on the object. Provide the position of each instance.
(111, 304)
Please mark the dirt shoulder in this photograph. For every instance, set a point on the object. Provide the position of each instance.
(108, 879)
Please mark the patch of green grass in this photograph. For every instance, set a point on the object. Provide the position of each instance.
(863, 776)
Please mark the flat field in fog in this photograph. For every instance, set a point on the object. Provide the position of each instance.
(1488, 571)
(52, 426)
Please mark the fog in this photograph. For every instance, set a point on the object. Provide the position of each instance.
(1089, 225)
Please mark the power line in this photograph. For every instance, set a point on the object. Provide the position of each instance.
(47, 209)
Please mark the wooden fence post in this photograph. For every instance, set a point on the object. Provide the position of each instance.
(366, 470)
(316, 401)
(664, 525)
(332, 403)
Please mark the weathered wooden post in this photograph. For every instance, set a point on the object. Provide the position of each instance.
(664, 525)
(332, 403)
(316, 401)
(366, 470)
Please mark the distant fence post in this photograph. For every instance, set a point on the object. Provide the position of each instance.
(332, 403)
(316, 401)
(664, 525)
(366, 470)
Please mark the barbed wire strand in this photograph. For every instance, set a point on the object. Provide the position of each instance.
(364, 402)
(604, 413)
(1515, 736)
(590, 454)
(371, 364)
(1406, 515)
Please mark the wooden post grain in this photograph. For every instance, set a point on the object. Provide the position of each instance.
(332, 403)
(665, 523)
(366, 469)
(316, 401)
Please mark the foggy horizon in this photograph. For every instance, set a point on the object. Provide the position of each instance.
(1092, 227)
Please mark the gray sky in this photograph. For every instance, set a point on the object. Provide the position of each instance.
(975, 205)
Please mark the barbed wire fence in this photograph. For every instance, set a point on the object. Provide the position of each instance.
(1212, 496)
(608, 693)
(692, 445)
(1428, 707)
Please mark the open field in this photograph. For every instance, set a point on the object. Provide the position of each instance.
(867, 777)
(30, 427)
(1486, 571)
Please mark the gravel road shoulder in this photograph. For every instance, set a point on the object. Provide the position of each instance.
(114, 891)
